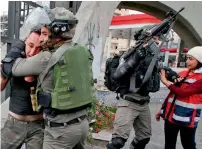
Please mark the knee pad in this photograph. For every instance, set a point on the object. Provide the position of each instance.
(117, 143)
(140, 144)
(110, 146)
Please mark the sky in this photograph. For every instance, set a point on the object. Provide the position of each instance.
(3, 6)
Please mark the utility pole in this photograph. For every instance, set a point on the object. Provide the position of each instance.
(181, 48)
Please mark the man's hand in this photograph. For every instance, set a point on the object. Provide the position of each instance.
(15, 52)
(141, 53)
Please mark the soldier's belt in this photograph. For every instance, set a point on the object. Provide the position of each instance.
(74, 121)
(141, 102)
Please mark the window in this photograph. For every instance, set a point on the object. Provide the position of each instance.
(114, 46)
(174, 45)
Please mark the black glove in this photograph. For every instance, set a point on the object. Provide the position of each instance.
(140, 53)
(17, 50)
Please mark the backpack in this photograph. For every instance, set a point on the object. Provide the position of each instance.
(120, 86)
(111, 66)
(73, 84)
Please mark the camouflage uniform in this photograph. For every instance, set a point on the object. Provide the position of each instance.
(15, 133)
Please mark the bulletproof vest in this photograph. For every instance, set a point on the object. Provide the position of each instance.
(73, 84)
(20, 101)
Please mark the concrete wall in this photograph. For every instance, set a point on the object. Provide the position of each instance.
(95, 17)
(188, 25)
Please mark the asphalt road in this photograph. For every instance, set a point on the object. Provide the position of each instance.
(157, 139)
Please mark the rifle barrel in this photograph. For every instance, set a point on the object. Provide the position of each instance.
(178, 12)
(161, 26)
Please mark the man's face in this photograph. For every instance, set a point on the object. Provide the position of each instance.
(32, 44)
(45, 38)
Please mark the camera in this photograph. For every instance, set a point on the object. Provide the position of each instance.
(171, 75)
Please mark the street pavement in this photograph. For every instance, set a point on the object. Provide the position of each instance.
(157, 139)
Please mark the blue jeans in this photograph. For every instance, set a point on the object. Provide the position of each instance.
(187, 136)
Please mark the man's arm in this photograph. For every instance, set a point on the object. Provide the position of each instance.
(191, 89)
(4, 82)
(32, 65)
(17, 51)
(128, 66)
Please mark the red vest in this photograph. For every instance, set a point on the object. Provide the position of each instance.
(185, 111)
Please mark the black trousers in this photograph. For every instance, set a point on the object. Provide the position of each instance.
(187, 136)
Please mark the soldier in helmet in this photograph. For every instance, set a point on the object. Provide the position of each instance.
(133, 107)
(65, 84)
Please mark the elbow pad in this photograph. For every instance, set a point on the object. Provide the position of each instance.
(17, 50)
(130, 64)
(6, 69)
(126, 68)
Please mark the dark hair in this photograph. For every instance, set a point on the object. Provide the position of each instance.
(36, 29)
(199, 65)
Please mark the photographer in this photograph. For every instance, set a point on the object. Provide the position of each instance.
(133, 109)
(182, 108)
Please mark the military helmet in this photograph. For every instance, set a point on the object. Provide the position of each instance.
(59, 20)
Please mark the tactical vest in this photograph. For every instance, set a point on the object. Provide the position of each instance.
(73, 85)
(122, 86)
(153, 84)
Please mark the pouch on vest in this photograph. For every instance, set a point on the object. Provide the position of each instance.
(44, 99)
(153, 84)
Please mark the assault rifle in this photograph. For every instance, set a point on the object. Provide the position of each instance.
(144, 37)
